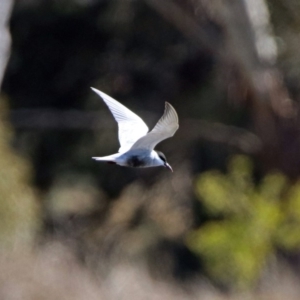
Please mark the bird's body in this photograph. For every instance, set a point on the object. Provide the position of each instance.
(137, 144)
(137, 158)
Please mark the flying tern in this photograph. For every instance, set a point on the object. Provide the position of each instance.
(136, 143)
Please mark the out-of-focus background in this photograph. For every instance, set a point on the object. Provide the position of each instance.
(225, 224)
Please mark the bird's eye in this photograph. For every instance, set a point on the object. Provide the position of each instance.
(162, 158)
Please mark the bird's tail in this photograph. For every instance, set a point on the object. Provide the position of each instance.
(109, 158)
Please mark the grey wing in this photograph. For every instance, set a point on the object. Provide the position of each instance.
(165, 128)
(131, 127)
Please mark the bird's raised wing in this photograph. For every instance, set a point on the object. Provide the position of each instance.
(131, 126)
(165, 128)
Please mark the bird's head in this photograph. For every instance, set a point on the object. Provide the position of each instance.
(163, 160)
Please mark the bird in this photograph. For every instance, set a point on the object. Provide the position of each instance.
(136, 142)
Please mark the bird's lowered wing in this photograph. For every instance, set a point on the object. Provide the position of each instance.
(165, 128)
(131, 126)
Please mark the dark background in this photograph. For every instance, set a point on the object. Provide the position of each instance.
(231, 70)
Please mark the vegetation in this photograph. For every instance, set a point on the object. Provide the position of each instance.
(248, 222)
(226, 220)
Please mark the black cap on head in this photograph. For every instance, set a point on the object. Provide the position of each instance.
(162, 156)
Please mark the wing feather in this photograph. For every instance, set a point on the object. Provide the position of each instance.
(131, 127)
(165, 128)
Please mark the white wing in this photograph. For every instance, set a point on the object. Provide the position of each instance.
(165, 128)
(131, 126)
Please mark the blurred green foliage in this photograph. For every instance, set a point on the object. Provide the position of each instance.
(19, 219)
(59, 50)
(248, 221)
